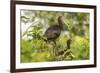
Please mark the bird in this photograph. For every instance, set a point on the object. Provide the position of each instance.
(66, 52)
(54, 31)
(68, 43)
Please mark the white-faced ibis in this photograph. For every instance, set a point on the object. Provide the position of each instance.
(68, 45)
(66, 52)
(53, 32)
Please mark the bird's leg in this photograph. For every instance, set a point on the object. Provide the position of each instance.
(54, 51)
(54, 43)
(45, 40)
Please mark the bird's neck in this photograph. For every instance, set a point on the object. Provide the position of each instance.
(60, 22)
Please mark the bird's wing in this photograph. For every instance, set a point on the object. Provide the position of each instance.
(52, 33)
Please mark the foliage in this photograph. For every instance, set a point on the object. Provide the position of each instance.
(35, 49)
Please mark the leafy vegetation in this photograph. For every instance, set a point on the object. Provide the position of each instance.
(35, 49)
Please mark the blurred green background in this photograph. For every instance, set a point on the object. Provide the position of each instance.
(33, 26)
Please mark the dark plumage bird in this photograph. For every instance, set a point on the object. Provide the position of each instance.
(53, 32)
(68, 47)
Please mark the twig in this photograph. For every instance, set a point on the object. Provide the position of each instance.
(28, 28)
